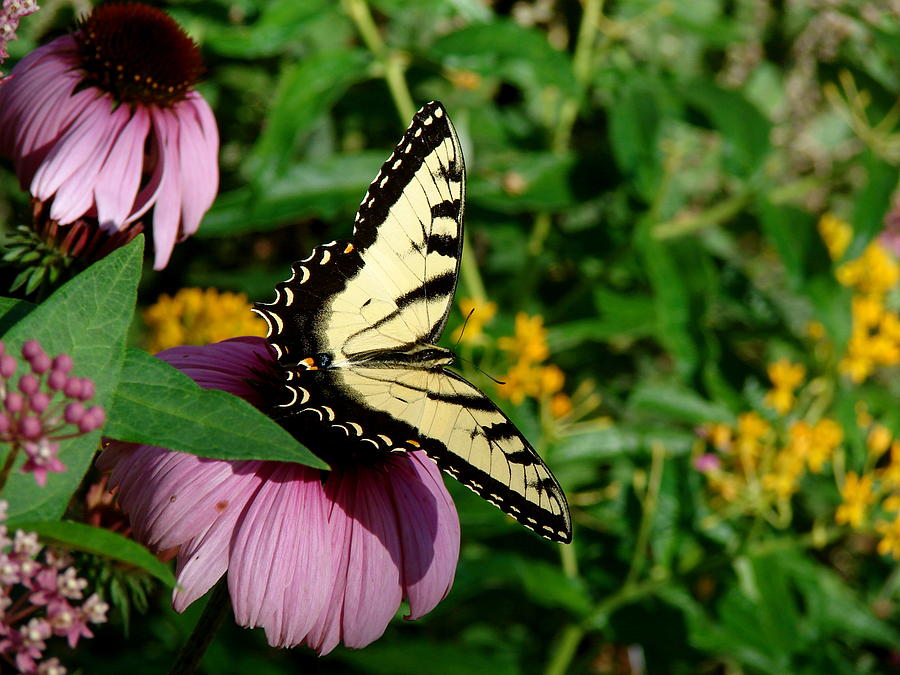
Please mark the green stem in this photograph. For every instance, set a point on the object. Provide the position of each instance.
(564, 651)
(8, 464)
(217, 608)
(713, 216)
(469, 271)
(581, 67)
(649, 511)
(391, 60)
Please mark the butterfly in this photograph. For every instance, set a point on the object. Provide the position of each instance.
(355, 330)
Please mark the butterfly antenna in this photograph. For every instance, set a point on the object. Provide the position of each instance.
(462, 332)
(486, 374)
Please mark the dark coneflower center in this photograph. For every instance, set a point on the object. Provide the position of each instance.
(138, 54)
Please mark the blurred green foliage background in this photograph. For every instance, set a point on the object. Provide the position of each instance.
(647, 176)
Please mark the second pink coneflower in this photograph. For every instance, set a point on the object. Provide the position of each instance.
(315, 558)
(105, 123)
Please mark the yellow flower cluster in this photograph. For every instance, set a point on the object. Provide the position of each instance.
(756, 464)
(529, 376)
(477, 313)
(785, 377)
(875, 336)
(880, 486)
(836, 234)
(195, 316)
(760, 463)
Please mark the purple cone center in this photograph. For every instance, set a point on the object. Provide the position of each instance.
(138, 54)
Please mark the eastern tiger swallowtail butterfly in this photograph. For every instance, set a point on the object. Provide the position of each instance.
(356, 327)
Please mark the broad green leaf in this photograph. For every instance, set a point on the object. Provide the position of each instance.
(280, 23)
(508, 51)
(672, 295)
(99, 541)
(871, 203)
(157, 404)
(524, 182)
(322, 188)
(671, 401)
(634, 124)
(11, 311)
(743, 127)
(793, 234)
(305, 92)
(432, 657)
(88, 319)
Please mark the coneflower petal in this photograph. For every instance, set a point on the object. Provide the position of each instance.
(118, 180)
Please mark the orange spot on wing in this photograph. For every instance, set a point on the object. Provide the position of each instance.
(349, 248)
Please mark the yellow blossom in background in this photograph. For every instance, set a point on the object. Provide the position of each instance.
(875, 334)
(836, 234)
(785, 377)
(890, 538)
(195, 316)
(857, 495)
(815, 330)
(863, 417)
(522, 380)
(560, 405)
(720, 436)
(878, 441)
(890, 475)
(874, 272)
(530, 341)
(482, 311)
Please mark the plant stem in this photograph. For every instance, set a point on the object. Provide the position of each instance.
(564, 651)
(217, 608)
(391, 60)
(8, 464)
(648, 504)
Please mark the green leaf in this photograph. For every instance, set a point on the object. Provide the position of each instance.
(544, 179)
(306, 91)
(157, 404)
(98, 541)
(634, 123)
(793, 233)
(281, 23)
(872, 202)
(743, 127)
(88, 319)
(671, 401)
(322, 188)
(428, 656)
(13, 310)
(511, 52)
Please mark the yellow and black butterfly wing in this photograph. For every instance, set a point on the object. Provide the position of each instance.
(362, 412)
(391, 285)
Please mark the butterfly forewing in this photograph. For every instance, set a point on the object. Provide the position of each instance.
(391, 286)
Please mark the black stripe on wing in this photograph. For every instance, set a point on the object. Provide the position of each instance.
(296, 318)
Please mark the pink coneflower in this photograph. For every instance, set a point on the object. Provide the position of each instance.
(106, 124)
(314, 558)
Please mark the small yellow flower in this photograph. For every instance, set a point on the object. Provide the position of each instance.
(878, 441)
(827, 435)
(891, 503)
(890, 475)
(874, 272)
(560, 405)
(836, 234)
(482, 311)
(552, 379)
(752, 427)
(863, 417)
(720, 436)
(890, 537)
(530, 341)
(815, 330)
(867, 311)
(857, 495)
(197, 317)
(786, 375)
(522, 380)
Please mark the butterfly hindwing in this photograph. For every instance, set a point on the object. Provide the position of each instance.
(365, 410)
(392, 285)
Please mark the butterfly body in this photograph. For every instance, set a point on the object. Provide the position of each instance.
(355, 329)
